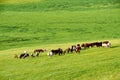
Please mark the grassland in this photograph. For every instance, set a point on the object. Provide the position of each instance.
(90, 64)
(17, 1)
(25, 28)
(53, 5)
(50, 24)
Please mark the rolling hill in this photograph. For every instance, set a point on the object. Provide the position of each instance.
(52, 5)
(50, 24)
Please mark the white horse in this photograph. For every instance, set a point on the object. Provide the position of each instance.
(50, 53)
(107, 45)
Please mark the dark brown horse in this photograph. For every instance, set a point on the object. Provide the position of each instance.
(78, 49)
(85, 45)
(58, 51)
(68, 50)
(38, 50)
(98, 44)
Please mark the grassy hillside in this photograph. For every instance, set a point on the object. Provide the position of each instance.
(51, 5)
(57, 21)
(19, 29)
(51, 24)
(90, 64)
(17, 1)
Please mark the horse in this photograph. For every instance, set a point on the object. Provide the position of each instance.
(38, 50)
(73, 47)
(24, 55)
(98, 44)
(58, 51)
(106, 44)
(50, 53)
(15, 56)
(68, 50)
(32, 55)
(85, 45)
(78, 48)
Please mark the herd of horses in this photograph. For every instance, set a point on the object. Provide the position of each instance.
(74, 48)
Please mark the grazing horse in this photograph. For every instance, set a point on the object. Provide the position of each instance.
(98, 44)
(73, 47)
(92, 44)
(78, 48)
(58, 51)
(32, 55)
(54, 51)
(50, 54)
(24, 55)
(85, 45)
(15, 56)
(106, 44)
(38, 50)
(68, 50)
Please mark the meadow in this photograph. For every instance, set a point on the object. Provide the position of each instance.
(90, 64)
(35, 28)
(50, 24)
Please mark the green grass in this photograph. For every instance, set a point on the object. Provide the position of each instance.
(17, 1)
(91, 64)
(19, 29)
(52, 5)
(49, 22)
(52, 24)
(70, 5)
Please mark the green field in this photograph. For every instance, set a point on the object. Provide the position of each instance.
(35, 28)
(90, 64)
(50, 24)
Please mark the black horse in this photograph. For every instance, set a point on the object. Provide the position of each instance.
(24, 55)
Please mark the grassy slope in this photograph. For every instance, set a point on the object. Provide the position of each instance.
(51, 5)
(19, 29)
(64, 22)
(91, 64)
(54, 21)
(17, 1)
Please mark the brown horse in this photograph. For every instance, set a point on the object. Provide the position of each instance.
(78, 48)
(38, 50)
(68, 50)
(85, 45)
(58, 51)
(15, 56)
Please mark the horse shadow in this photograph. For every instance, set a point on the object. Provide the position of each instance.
(114, 46)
